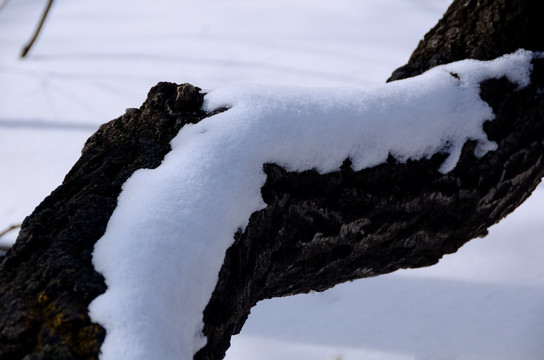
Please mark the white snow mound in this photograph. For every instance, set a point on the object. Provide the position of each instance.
(165, 242)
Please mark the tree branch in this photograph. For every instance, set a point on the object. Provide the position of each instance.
(5, 231)
(3, 5)
(9, 228)
(316, 231)
(28, 46)
(476, 29)
(321, 230)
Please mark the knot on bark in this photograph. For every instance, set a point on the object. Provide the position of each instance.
(188, 98)
(174, 98)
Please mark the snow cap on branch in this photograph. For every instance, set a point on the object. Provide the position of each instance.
(166, 240)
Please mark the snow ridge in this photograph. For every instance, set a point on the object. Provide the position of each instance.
(166, 240)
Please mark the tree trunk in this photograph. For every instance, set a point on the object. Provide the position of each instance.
(317, 230)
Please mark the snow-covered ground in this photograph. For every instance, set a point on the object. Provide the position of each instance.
(94, 59)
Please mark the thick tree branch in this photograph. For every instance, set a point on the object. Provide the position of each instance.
(317, 230)
(47, 279)
(320, 230)
(478, 29)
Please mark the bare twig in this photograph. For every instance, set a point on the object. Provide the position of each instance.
(10, 228)
(4, 232)
(26, 49)
(4, 3)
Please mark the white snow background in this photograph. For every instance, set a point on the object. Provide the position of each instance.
(96, 58)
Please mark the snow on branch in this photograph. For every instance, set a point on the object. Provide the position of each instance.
(166, 241)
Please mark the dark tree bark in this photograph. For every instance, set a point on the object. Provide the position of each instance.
(478, 29)
(47, 279)
(316, 231)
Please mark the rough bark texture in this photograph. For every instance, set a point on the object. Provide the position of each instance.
(317, 230)
(320, 230)
(478, 29)
(47, 279)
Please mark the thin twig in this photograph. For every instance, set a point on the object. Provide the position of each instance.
(10, 228)
(4, 247)
(4, 3)
(26, 49)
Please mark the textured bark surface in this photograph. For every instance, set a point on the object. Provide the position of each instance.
(320, 230)
(47, 279)
(317, 230)
(478, 29)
